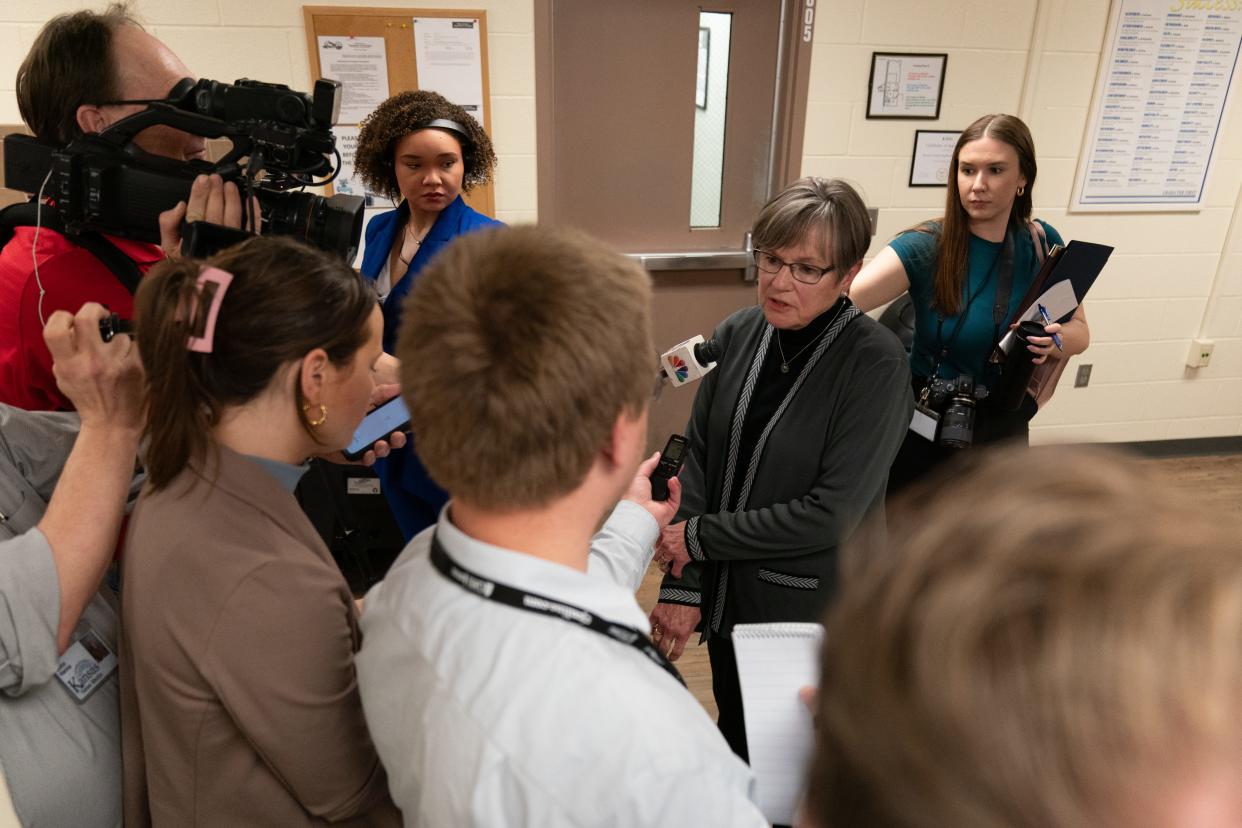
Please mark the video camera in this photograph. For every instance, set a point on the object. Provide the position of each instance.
(281, 140)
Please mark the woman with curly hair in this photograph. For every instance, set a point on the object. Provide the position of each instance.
(424, 150)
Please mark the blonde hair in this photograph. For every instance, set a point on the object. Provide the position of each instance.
(1044, 637)
(519, 349)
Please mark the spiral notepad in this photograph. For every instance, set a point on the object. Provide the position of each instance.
(774, 661)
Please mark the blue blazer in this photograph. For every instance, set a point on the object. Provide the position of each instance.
(454, 220)
(413, 496)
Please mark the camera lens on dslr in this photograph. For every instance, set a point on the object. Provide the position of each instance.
(957, 424)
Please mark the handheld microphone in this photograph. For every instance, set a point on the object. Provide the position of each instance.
(690, 360)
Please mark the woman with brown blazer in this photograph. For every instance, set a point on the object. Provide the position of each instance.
(239, 701)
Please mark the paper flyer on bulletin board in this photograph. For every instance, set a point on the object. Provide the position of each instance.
(361, 65)
(347, 182)
(449, 60)
(1159, 103)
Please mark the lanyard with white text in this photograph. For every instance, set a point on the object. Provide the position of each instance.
(520, 599)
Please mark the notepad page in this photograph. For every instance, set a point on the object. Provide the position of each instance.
(775, 661)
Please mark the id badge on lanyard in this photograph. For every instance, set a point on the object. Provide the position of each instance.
(924, 422)
(85, 666)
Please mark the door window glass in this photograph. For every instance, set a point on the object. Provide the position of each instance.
(710, 99)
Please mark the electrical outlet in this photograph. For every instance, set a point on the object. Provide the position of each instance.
(1083, 376)
(1200, 353)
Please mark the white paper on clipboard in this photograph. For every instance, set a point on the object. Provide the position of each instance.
(1059, 300)
(448, 57)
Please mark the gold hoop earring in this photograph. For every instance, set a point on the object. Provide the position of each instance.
(1021, 191)
(323, 415)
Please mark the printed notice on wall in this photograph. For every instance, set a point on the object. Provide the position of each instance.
(1159, 103)
(360, 64)
(449, 61)
(348, 182)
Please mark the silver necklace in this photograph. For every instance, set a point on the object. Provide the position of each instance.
(785, 362)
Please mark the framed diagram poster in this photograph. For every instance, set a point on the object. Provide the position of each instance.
(906, 86)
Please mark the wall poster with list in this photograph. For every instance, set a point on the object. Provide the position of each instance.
(1159, 103)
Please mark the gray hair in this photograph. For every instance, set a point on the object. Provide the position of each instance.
(828, 207)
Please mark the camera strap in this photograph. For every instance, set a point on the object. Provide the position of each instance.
(490, 590)
(1002, 267)
(28, 215)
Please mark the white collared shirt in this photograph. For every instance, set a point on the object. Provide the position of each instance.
(487, 715)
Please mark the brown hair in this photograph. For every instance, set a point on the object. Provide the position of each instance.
(408, 112)
(70, 64)
(286, 299)
(519, 349)
(828, 207)
(1043, 638)
(953, 229)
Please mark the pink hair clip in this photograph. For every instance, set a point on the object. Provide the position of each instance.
(204, 343)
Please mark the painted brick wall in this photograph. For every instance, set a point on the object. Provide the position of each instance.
(266, 39)
(1172, 276)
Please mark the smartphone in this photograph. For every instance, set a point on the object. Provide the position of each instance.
(377, 425)
(671, 458)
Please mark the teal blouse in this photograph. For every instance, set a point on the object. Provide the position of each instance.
(968, 353)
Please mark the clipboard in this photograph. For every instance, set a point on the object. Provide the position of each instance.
(1061, 284)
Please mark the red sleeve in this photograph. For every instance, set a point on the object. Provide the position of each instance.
(69, 280)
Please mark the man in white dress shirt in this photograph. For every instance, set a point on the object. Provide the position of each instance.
(507, 673)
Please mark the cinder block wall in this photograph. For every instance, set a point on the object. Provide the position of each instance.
(266, 40)
(1173, 275)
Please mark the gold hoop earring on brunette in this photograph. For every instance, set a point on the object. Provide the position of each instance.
(1021, 191)
(323, 415)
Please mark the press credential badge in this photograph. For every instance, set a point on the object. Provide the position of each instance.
(85, 666)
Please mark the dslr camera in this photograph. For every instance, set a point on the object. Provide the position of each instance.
(956, 400)
(281, 142)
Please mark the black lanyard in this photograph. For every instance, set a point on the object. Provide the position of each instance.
(530, 602)
(1000, 307)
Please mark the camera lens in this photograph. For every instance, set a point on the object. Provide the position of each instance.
(333, 224)
(957, 427)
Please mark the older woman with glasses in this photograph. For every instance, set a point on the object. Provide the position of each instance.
(790, 439)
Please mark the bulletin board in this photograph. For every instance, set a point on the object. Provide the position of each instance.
(396, 27)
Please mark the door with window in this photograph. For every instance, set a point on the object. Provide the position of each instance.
(663, 126)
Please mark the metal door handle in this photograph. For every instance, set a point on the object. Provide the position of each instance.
(732, 259)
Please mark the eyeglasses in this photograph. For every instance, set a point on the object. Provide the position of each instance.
(807, 274)
(658, 388)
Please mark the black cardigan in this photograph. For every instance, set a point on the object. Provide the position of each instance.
(824, 466)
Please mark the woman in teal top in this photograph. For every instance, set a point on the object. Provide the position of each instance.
(952, 267)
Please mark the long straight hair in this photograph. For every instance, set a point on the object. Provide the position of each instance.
(286, 299)
(954, 228)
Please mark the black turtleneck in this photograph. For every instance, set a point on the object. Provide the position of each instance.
(773, 385)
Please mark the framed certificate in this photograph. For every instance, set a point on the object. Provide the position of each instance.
(933, 153)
